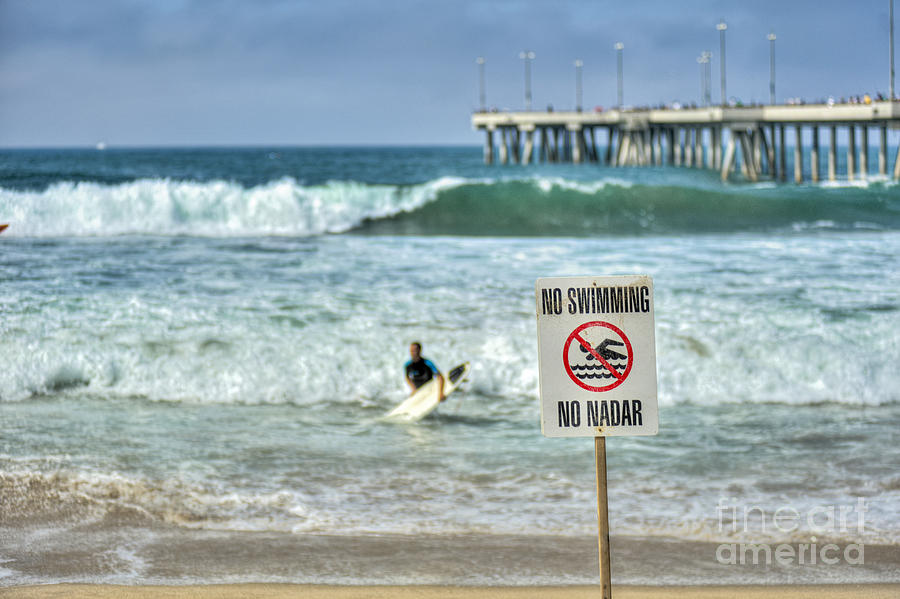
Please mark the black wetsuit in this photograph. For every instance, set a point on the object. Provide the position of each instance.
(420, 372)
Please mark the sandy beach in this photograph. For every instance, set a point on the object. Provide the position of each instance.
(283, 591)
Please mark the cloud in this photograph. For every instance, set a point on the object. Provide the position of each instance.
(394, 71)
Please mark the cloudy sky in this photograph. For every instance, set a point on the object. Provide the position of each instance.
(296, 72)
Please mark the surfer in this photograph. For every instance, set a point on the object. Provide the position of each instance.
(420, 370)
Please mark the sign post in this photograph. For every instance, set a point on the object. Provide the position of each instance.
(597, 368)
(602, 517)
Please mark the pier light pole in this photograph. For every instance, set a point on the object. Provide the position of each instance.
(527, 56)
(722, 27)
(619, 48)
(891, 11)
(771, 38)
(482, 97)
(703, 61)
(702, 78)
(578, 87)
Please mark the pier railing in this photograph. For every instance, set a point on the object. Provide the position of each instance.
(752, 139)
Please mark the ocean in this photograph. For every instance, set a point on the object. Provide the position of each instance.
(197, 347)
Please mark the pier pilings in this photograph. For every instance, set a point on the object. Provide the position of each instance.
(752, 140)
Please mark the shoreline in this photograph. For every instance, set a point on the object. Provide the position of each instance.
(161, 556)
(283, 591)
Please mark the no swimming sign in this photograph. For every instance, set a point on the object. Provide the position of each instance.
(597, 356)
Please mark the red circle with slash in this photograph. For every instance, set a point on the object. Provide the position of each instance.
(604, 363)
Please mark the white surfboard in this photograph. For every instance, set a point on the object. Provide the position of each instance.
(421, 403)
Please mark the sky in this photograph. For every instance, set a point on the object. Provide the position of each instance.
(397, 72)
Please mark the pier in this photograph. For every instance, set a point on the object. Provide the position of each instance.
(727, 139)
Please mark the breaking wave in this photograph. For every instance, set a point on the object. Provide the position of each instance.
(207, 209)
(526, 207)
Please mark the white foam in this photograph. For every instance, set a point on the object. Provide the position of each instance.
(214, 208)
(6, 572)
(548, 184)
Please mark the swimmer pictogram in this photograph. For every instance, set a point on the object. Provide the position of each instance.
(598, 356)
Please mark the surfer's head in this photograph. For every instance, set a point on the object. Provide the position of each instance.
(415, 350)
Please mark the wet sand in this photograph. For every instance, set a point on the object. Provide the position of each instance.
(284, 591)
(171, 556)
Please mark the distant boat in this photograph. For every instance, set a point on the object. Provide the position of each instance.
(101, 145)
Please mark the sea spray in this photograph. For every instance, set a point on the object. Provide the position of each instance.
(209, 209)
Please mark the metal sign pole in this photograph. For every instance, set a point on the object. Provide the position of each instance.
(602, 516)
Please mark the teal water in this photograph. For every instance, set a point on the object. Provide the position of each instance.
(201, 343)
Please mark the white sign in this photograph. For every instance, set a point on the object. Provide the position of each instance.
(597, 356)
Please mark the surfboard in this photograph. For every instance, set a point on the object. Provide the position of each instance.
(3, 227)
(423, 402)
